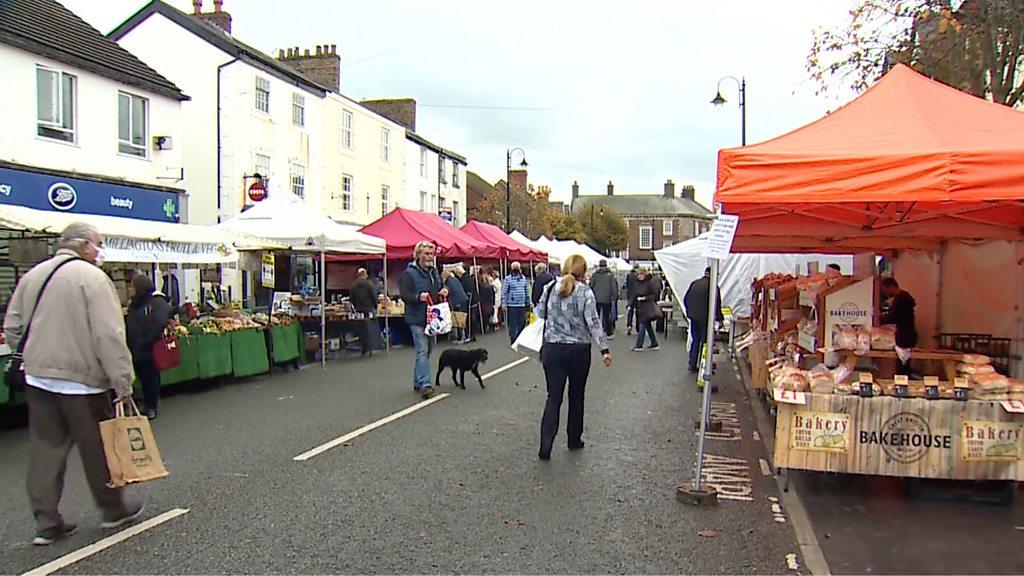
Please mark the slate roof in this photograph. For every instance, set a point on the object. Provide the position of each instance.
(477, 189)
(427, 143)
(47, 28)
(643, 204)
(220, 39)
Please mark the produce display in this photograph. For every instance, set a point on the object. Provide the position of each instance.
(223, 322)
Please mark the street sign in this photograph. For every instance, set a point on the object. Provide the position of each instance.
(720, 237)
(257, 191)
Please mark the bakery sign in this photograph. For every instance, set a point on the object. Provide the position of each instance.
(906, 438)
(982, 440)
(819, 431)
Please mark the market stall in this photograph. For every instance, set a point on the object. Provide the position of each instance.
(285, 218)
(510, 249)
(910, 168)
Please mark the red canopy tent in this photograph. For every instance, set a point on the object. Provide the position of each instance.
(402, 229)
(510, 249)
(908, 164)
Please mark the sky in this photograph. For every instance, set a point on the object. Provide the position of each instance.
(591, 90)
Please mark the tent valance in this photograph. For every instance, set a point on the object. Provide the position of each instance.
(402, 229)
(908, 164)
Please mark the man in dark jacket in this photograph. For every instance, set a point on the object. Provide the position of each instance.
(541, 279)
(696, 303)
(147, 317)
(421, 284)
(363, 297)
(901, 313)
(457, 298)
(630, 297)
(606, 292)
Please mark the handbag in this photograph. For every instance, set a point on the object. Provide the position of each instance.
(530, 342)
(649, 311)
(166, 354)
(439, 318)
(14, 371)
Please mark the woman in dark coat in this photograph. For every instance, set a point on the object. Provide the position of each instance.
(363, 297)
(148, 314)
(469, 284)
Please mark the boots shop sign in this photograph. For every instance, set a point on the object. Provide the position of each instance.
(61, 193)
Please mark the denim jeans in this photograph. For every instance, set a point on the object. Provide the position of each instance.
(699, 335)
(646, 327)
(516, 321)
(421, 370)
(630, 312)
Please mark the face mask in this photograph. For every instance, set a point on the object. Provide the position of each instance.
(99, 254)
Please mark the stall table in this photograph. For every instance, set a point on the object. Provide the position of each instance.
(188, 369)
(948, 359)
(903, 437)
(286, 343)
(214, 351)
(248, 353)
(338, 327)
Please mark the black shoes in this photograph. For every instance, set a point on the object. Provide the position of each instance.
(51, 535)
(151, 414)
(577, 446)
(427, 392)
(132, 513)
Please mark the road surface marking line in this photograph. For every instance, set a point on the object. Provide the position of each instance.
(342, 439)
(504, 368)
(765, 468)
(100, 545)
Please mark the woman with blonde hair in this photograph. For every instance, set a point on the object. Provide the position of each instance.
(571, 323)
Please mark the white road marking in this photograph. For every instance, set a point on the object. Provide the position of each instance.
(342, 439)
(757, 436)
(791, 562)
(388, 419)
(505, 367)
(725, 412)
(765, 468)
(100, 545)
(729, 476)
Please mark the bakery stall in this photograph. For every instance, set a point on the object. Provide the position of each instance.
(930, 179)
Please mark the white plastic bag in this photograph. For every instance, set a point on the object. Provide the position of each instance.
(439, 319)
(530, 340)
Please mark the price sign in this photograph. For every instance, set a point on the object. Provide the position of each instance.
(1013, 406)
(931, 387)
(719, 243)
(902, 386)
(867, 384)
(789, 396)
(961, 389)
(267, 271)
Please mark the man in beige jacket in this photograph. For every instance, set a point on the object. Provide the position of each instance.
(75, 355)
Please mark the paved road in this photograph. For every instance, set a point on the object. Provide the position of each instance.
(454, 487)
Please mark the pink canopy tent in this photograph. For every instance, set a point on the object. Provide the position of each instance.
(510, 248)
(402, 229)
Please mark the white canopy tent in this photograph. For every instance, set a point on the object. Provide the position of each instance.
(683, 263)
(286, 218)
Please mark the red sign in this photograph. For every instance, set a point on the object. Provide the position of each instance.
(257, 191)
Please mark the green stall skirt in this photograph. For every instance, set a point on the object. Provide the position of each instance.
(188, 370)
(249, 353)
(214, 352)
(286, 344)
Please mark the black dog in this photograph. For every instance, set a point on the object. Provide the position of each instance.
(463, 361)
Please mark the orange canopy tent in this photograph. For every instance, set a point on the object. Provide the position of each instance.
(908, 164)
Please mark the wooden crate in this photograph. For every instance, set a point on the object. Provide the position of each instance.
(908, 437)
(758, 354)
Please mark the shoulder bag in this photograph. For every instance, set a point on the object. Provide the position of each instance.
(14, 372)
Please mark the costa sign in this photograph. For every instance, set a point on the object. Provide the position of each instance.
(257, 191)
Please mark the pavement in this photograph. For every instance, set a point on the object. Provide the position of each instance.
(454, 487)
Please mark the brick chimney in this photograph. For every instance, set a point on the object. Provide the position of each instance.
(399, 110)
(611, 188)
(670, 189)
(518, 180)
(688, 192)
(218, 17)
(575, 189)
(323, 67)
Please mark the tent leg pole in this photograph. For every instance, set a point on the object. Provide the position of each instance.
(323, 311)
(387, 317)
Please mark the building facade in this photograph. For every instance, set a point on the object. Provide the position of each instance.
(654, 221)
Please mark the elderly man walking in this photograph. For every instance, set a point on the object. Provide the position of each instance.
(67, 312)
(514, 298)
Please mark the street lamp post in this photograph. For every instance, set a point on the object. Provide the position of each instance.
(718, 101)
(508, 184)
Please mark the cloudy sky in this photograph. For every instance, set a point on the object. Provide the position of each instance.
(592, 90)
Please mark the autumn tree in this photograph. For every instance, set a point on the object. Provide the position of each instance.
(566, 226)
(973, 45)
(605, 228)
(529, 213)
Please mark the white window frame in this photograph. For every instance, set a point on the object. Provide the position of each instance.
(455, 174)
(130, 147)
(59, 123)
(424, 199)
(423, 161)
(650, 236)
(385, 199)
(455, 212)
(347, 135)
(666, 227)
(346, 192)
(298, 110)
(385, 145)
(666, 244)
(297, 179)
(260, 167)
(261, 97)
(442, 170)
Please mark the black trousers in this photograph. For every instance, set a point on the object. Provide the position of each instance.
(562, 363)
(148, 376)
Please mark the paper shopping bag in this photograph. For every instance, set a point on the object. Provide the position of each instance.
(128, 443)
(530, 340)
(439, 319)
(459, 319)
